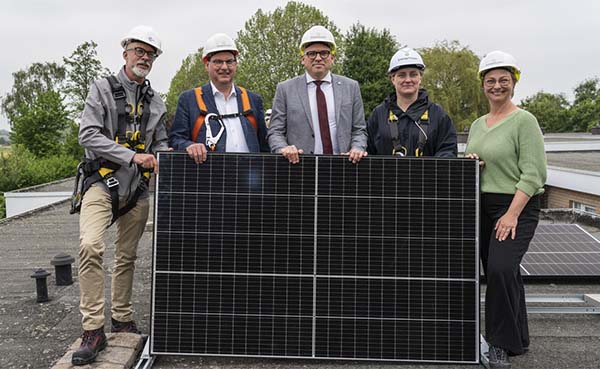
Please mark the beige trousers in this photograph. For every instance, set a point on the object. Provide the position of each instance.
(95, 216)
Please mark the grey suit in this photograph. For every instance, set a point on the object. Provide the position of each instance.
(291, 122)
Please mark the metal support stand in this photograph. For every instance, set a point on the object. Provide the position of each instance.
(483, 352)
(146, 359)
(593, 300)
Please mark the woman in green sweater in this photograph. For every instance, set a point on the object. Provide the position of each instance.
(509, 143)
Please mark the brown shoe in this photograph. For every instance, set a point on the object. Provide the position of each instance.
(124, 327)
(92, 342)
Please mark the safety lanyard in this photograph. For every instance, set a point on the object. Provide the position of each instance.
(211, 141)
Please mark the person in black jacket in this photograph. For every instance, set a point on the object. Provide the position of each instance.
(406, 123)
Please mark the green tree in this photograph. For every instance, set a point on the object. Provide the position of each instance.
(551, 111)
(82, 68)
(366, 59)
(71, 146)
(191, 74)
(268, 46)
(451, 80)
(40, 127)
(37, 79)
(585, 111)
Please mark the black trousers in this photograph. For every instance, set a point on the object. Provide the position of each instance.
(505, 309)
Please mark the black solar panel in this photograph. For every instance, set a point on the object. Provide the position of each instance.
(323, 259)
(562, 250)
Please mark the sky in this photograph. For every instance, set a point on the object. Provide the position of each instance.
(555, 42)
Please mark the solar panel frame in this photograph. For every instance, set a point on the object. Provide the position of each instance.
(155, 316)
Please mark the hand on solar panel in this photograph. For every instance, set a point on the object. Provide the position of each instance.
(475, 156)
(292, 153)
(147, 161)
(197, 152)
(354, 155)
(506, 225)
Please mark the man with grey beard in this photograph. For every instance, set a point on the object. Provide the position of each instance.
(122, 127)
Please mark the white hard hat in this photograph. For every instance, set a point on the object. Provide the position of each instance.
(499, 59)
(406, 57)
(218, 42)
(143, 34)
(317, 34)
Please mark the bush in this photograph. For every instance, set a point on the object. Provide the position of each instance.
(2, 206)
(22, 169)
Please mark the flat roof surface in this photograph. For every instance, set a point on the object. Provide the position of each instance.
(582, 160)
(570, 136)
(36, 335)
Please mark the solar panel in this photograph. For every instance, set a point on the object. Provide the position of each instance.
(562, 250)
(322, 259)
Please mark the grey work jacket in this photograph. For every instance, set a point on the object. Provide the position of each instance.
(98, 129)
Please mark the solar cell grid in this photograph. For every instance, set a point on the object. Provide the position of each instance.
(324, 259)
(562, 250)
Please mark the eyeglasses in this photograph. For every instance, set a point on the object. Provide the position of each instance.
(502, 81)
(219, 62)
(140, 52)
(313, 54)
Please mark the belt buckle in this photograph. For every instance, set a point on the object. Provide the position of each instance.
(111, 182)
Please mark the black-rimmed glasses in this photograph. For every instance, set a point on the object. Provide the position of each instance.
(313, 54)
(140, 52)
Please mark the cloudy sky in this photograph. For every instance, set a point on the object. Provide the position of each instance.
(555, 42)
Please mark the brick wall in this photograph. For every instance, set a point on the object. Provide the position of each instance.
(556, 198)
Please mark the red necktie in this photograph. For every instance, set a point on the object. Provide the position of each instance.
(323, 120)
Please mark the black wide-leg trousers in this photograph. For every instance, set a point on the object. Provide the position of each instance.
(505, 309)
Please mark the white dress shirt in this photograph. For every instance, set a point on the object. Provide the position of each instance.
(236, 141)
(327, 89)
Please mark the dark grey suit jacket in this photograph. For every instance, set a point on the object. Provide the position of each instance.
(291, 122)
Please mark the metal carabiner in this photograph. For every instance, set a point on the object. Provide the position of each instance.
(211, 141)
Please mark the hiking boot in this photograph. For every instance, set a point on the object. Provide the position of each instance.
(498, 358)
(92, 342)
(124, 327)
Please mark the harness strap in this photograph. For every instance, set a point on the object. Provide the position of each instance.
(246, 111)
(422, 125)
(120, 97)
(125, 110)
(247, 108)
(397, 148)
(203, 112)
(141, 188)
(147, 95)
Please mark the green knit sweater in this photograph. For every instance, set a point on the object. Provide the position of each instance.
(513, 151)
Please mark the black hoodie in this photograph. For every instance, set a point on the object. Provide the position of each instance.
(440, 131)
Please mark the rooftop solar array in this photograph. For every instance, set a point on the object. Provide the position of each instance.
(322, 259)
(562, 250)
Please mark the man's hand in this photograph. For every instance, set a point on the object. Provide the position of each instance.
(197, 152)
(292, 154)
(354, 155)
(147, 161)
